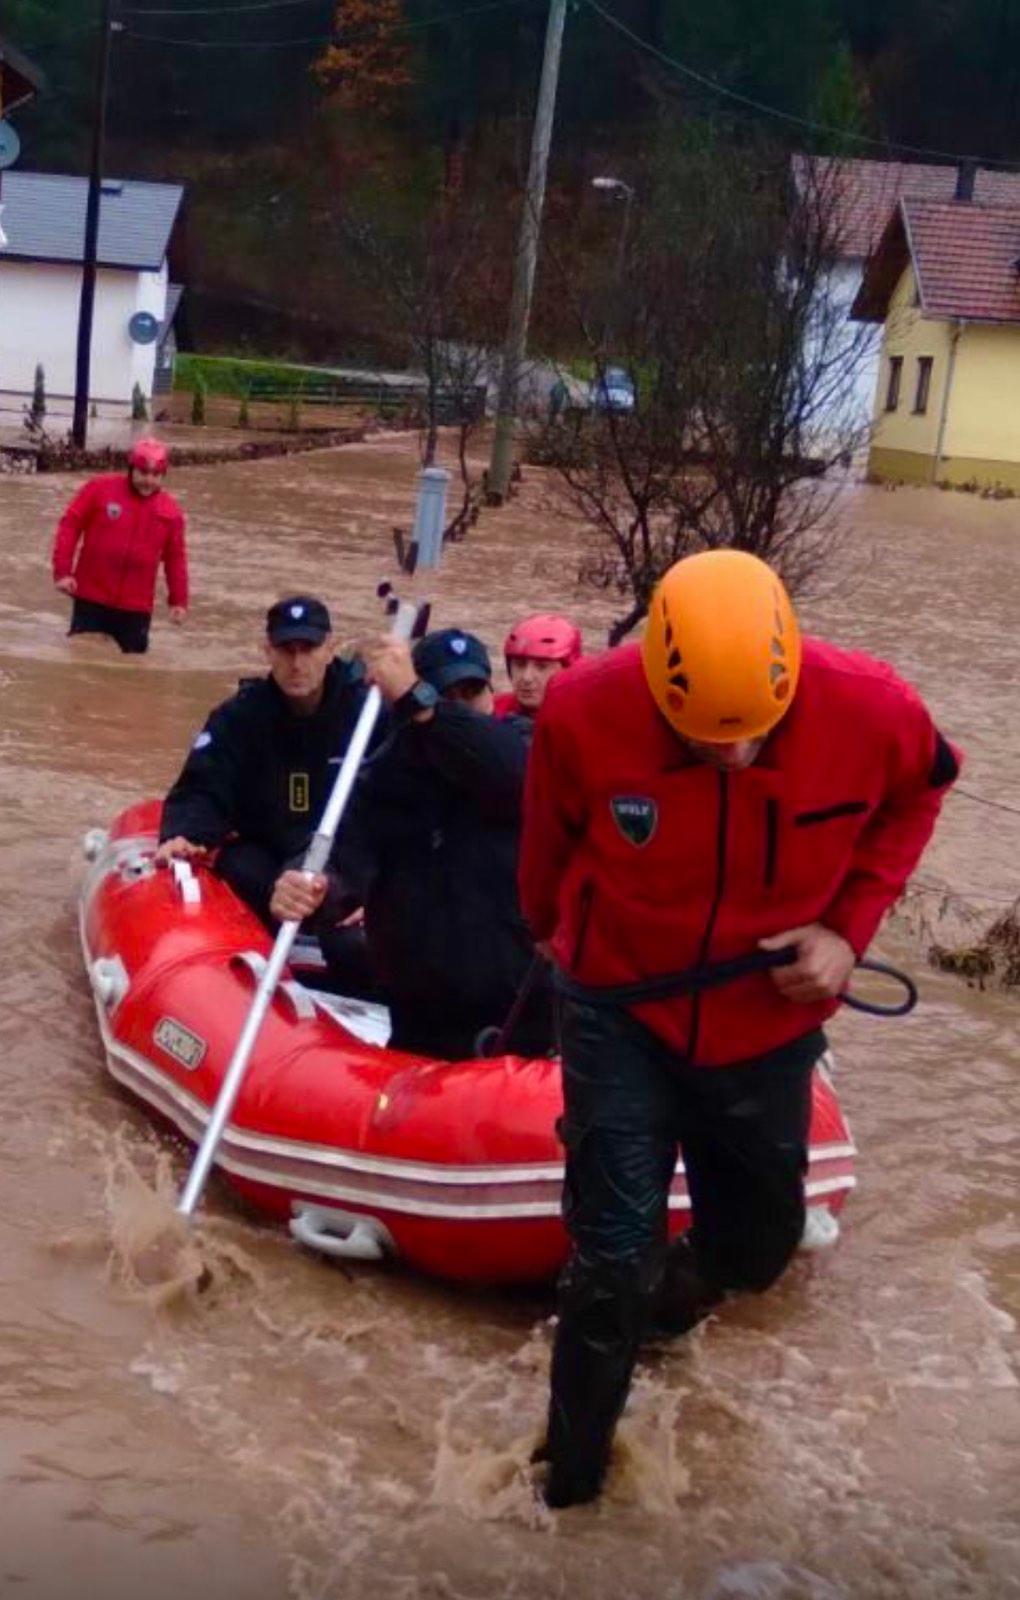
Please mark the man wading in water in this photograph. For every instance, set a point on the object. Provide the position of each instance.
(110, 543)
(719, 790)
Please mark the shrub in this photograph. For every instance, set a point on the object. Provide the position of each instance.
(198, 402)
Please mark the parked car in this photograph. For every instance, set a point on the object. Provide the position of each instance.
(613, 391)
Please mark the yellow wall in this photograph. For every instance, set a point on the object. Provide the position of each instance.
(981, 442)
(910, 335)
(984, 408)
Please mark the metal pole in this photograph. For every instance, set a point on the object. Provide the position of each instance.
(79, 425)
(527, 255)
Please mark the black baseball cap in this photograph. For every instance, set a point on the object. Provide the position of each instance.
(451, 656)
(300, 617)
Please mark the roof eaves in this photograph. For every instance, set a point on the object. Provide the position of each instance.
(76, 261)
(33, 75)
(871, 303)
(914, 258)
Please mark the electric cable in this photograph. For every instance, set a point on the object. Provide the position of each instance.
(322, 38)
(764, 109)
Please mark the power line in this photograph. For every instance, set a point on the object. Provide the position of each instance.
(213, 11)
(766, 110)
(976, 896)
(982, 800)
(322, 38)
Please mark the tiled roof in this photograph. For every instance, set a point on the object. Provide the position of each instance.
(966, 258)
(867, 192)
(44, 219)
(964, 255)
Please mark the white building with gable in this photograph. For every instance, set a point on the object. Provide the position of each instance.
(42, 224)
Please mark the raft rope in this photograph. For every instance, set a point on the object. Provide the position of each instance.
(715, 974)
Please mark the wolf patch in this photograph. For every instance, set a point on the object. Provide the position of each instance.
(636, 816)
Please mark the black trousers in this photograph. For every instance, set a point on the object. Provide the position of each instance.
(630, 1105)
(129, 628)
(251, 871)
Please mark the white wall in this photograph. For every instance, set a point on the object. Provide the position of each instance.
(39, 323)
(863, 345)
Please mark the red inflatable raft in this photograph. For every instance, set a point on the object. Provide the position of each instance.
(366, 1152)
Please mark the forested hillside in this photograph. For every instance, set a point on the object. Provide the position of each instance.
(286, 115)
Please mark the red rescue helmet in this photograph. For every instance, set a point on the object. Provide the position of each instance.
(149, 454)
(544, 638)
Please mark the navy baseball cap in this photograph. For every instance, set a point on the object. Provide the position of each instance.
(301, 617)
(451, 656)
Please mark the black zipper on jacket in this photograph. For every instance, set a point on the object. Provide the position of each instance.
(720, 885)
(771, 840)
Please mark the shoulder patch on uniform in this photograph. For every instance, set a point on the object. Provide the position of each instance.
(202, 740)
(636, 816)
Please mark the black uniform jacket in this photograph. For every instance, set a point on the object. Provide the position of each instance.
(430, 849)
(258, 771)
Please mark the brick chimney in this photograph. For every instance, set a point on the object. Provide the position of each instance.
(966, 172)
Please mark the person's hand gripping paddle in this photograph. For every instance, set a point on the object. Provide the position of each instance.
(405, 618)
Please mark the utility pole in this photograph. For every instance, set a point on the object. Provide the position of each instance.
(526, 257)
(79, 425)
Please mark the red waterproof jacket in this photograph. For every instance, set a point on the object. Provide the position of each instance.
(121, 538)
(637, 859)
(506, 705)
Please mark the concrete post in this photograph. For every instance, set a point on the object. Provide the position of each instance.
(430, 516)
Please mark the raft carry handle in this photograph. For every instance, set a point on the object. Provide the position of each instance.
(360, 1238)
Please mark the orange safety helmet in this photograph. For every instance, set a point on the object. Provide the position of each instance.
(722, 648)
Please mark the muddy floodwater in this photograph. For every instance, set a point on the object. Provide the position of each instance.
(302, 1431)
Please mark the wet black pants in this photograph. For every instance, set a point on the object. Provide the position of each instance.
(129, 628)
(251, 871)
(630, 1105)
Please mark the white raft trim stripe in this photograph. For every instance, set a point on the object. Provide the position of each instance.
(247, 1160)
(289, 1181)
(249, 1156)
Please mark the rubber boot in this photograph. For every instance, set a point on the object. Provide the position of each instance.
(684, 1297)
(603, 1309)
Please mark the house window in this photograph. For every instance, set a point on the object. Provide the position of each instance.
(892, 394)
(924, 366)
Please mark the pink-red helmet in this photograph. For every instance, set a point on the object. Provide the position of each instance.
(544, 638)
(149, 454)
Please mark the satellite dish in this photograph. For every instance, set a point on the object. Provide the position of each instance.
(143, 328)
(10, 145)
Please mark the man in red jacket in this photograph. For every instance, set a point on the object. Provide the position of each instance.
(720, 790)
(535, 650)
(110, 543)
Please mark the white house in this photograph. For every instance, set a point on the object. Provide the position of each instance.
(863, 196)
(43, 228)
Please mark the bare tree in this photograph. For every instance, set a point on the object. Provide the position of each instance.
(444, 277)
(722, 309)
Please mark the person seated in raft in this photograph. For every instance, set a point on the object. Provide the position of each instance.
(259, 773)
(535, 651)
(430, 849)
